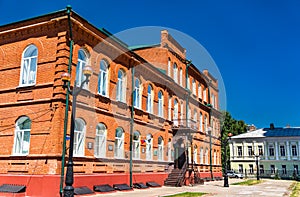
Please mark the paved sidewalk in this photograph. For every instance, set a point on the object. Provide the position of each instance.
(269, 188)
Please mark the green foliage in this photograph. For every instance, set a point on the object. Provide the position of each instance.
(188, 194)
(248, 182)
(295, 189)
(235, 127)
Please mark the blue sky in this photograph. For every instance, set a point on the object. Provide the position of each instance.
(254, 43)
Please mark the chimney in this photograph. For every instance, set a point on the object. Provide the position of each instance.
(272, 126)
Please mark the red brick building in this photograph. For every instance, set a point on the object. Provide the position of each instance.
(144, 86)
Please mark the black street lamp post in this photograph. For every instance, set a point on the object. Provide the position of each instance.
(257, 167)
(87, 71)
(225, 143)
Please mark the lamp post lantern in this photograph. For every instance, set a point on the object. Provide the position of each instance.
(225, 143)
(66, 77)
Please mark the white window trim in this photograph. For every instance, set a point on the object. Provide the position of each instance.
(100, 149)
(105, 82)
(30, 75)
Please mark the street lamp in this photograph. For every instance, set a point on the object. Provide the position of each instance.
(66, 77)
(225, 143)
(257, 167)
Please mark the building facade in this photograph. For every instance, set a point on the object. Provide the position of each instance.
(275, 149)
(164, 103)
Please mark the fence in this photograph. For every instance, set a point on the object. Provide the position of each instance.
(276, 174)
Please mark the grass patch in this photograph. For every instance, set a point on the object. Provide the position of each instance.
(248, 182)
(295, 189)
(187, 194)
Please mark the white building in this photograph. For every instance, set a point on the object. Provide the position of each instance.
(276, 149)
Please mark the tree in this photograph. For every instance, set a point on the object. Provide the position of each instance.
(235, 127)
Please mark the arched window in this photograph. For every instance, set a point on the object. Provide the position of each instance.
(81, 63)
(175, 71)
(137, 94)
(194, 86)
(205, 124)
(175, 113)
(150, 99)
(169, 67)
(79, 137)
(119, 143)
(204, 95)
(199, 91)
(206, 156)
(169, 107)
(195, 119)
(149, 149)
(100, 140)
(169, 150)
(160, 104)
(22, 136)
(180, 77)
(103, 78)
(189, 117)
(29, 66)
(215, 157)
(195, 154)
(201, 122)
(136, 145)
(201, 155)
(181, 112)
(121, 88)
(160, 152)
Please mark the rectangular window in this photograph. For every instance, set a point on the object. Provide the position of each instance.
(251, 168)
(241, 168)
(271, 151)
(272, 169)
(283, 169)
(250, 151)
(240, 151)
(261, 169)
(296, 169)
(282, 151)
(294, 150)
(260, 150)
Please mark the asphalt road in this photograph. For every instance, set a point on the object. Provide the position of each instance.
(269, 188)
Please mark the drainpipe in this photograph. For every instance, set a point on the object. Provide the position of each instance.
(131, 127)
(188, 63)
(69, 8)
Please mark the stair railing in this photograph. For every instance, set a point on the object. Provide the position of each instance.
(181, 176)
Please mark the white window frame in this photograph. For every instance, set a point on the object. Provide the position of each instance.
(21, 139)
(206, 156)
(199, 91)
(29, 66)
(136, 145)
(175, 112)
(169, 67)
(79, 137)
(119, 143)
(204, 95)
(180, 77)
(195, 119)
(160, 104)
(150, 96)
(181, 112)
(195, 155)
(160, 149)
(149, 147)
(169, 107)
(201, 155)
(201, 122)
(81, 63)
(137, 98)
(103, 78)
(175, 72)
(194, 86)
(121, 86)
(100, 141)
(169, 150)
